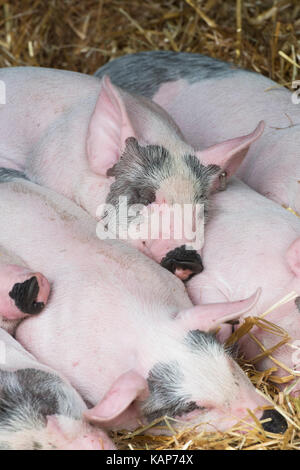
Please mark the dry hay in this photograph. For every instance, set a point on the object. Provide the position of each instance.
(82, 35)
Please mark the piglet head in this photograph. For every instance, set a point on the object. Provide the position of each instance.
(135, 142)
(202, 385)
(195, 381)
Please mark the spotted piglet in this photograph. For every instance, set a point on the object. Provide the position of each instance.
(96, 143)
(39, 410)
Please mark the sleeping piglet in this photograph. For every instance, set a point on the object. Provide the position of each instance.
(214, 100)
(252, 241)
(39, 410)
(120, 328)
(96, 143)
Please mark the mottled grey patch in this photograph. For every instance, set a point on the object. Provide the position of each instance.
(141, 170)
(197, 339)
(25, 401)
(7, 175)
(164, 382)
(139, 173)
(143, 73)
(204, 176)
(297, 302)
(28, 396)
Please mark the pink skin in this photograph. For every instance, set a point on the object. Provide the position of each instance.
(87, 438)
(101, 289)
(60, 432)
(221, 108)
(12, 274)
(91, 442)
(75, 130)
(252, 242)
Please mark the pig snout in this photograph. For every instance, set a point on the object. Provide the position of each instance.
(182, 262)
(277, 425)
(22, 292)
(31, 295)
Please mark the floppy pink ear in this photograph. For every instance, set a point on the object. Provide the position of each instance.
(229, 155)
(127, 388)
(209, 317)
(293, 257)
(108, 129)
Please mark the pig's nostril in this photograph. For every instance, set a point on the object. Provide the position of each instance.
(182, 260)
(277, 425)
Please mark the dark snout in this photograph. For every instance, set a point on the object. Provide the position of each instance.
(277, 425)
(183, 263)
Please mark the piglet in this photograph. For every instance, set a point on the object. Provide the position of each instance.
(120, 328)
(39, 410)
(214, 100)
(96, 143)
(251, 242)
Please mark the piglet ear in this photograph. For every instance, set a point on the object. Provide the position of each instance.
(126, 389)
(209, 317)
(108, 129)
(229, 155)
(293, 257)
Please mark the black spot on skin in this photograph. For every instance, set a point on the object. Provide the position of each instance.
(25, 294)
(297, 303)
(181, 258)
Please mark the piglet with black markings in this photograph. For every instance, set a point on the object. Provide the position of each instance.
(120, 328)
(254, 242)
(39, 410)
(214, 100)
(94, 143)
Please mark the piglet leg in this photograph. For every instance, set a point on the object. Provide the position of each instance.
(22, 292)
